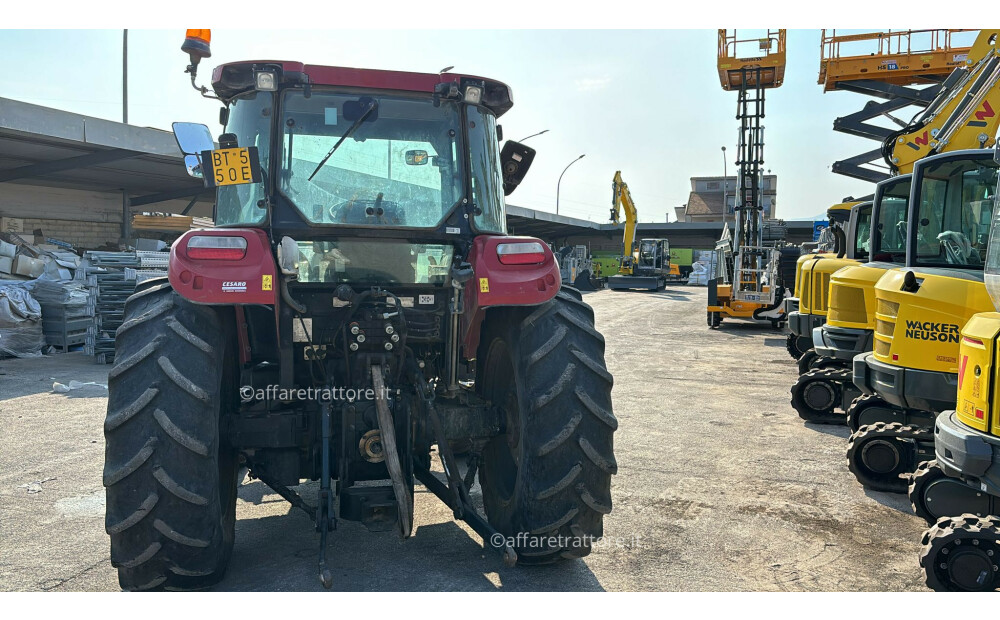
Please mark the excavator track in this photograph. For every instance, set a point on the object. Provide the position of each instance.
(879, 454)
(959, 554)
(927, 473)
(817, 394)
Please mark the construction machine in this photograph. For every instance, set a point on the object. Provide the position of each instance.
(359, 303)
(961, 101)
(576, 268)
(903, 394)
(911, 374)
(644, 264)
(958, 493)
(806, 308)
(747, 282)
(824, 390)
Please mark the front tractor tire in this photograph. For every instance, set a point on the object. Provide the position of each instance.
(170, 477)
(546, 478)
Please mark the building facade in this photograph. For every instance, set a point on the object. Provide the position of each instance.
(714, 198)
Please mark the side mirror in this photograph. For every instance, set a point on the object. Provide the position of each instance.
(417, 158)
(193, 139)
(515, 159)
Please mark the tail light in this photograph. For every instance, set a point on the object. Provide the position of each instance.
(216, 248)
(527, 253)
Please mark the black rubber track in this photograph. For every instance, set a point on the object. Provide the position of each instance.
(806, 360)
(858, 406)
(804, 397)
(797, 345)
(171, 484)
(968, 539)
(927, 472)
(547, 367)
(890, 481)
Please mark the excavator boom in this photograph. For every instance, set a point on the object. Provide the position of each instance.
(622, 199)
(964, 115)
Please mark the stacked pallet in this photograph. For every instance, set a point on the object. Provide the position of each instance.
(66, 315)
(112, 278)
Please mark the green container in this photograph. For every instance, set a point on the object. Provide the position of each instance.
(681, 256)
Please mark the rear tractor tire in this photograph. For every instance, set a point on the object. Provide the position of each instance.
(546, 479)
(170, 476)
(959, 554)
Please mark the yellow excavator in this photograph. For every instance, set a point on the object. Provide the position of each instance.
(644, 264)
(746, 283)
(911, 373)
(824, 390)
(958, 492)
(966, 95)
(807, 310)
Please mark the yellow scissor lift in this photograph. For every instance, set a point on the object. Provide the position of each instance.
(746, 283)
(904, 68)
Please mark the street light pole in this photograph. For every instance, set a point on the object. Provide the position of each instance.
(534, 134)
(559, 183)
(125, 76)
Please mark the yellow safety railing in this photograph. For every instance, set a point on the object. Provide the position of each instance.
(903, 57)
(770, 59)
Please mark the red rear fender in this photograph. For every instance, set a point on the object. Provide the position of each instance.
(497, 284)
(251, 279)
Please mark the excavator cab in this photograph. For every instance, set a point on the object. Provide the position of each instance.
(958, 492)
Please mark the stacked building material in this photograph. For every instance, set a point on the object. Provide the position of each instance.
(66, 315)
(112, 278)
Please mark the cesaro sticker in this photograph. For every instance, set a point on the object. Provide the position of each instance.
(234, 286)
(935, 332)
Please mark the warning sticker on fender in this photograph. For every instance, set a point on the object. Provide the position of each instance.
(484, 285)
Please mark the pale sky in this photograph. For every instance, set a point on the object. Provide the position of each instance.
(647, 102)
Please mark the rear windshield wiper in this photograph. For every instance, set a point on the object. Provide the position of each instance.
(371, 108)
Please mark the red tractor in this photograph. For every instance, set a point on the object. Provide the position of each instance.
(358, 303)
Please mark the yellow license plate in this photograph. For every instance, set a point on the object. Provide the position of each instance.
(232, 166)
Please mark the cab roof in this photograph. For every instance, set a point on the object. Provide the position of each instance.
(233, 78)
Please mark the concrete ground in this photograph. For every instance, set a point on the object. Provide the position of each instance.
(720, 486)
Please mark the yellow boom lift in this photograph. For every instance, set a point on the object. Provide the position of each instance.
(746, 283)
